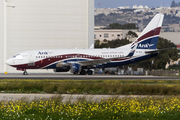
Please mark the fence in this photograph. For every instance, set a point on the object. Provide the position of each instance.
(164, 72)
(140, 71)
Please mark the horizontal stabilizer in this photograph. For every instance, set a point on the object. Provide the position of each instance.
(157, 50)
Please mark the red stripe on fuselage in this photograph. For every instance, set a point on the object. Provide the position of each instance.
(47, 61)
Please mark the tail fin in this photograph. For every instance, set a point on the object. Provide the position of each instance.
(148, 39)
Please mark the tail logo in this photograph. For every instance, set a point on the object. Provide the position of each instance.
(145, 45)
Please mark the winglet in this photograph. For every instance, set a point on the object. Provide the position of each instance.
(92, 46)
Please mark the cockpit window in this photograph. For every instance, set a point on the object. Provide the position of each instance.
(16, 55)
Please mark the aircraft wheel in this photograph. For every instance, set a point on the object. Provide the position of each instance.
(89, 72)
(83, 72)
(25, 73)
(75, 73)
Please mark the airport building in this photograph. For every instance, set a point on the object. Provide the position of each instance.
(107, 34)
(44, 24)
(111, 34)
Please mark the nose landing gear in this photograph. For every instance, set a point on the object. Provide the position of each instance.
(22, 69)
(25, 72)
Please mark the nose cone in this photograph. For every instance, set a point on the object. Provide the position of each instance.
(9, 61)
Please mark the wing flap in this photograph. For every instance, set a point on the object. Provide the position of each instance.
(100, 61)
(95, 62)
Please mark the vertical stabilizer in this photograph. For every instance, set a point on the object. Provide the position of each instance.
(148, 39)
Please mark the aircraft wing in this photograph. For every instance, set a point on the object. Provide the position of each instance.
(104, 60)
(89, 62)
(94, 62)
(99, 61)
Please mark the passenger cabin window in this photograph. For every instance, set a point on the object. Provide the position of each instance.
(24, 56)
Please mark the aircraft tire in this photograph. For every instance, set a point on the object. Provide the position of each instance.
(89, 72)
(75, 73)
(25, 73)
(83, 72)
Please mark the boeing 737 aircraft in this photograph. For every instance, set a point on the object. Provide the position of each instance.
(82, 61)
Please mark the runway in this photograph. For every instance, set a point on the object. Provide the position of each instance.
(66, 76)
(73, 97)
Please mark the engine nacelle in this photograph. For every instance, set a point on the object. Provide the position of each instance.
(62, 69)
(75, 68)
(60, 65)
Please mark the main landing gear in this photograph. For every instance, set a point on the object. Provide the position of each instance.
(89, 72)
(83, 72)
(25, 72)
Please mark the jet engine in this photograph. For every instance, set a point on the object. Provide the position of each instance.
(62, 69)
(75, 68)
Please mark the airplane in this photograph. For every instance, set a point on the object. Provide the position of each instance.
(83, 61)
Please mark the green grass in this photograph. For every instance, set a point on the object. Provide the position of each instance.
(112, 87)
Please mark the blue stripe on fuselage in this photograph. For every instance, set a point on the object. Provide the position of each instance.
(110, 64)
(53, 66)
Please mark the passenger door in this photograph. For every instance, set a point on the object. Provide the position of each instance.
(31, 59)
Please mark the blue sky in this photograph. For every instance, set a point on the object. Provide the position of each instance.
(117, 3)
